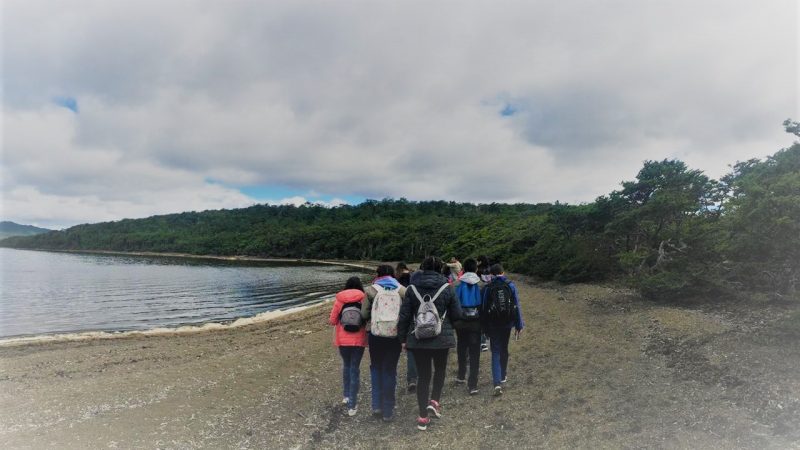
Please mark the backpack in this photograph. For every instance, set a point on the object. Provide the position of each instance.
(469, 295)
(350, 317)
(385, 311)
(428, 322)
(500, 307)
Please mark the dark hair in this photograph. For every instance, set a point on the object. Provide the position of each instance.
(470, 265)
(385, 269)
(354, 283)
(431, 263)
(401, 266)
(496, 269)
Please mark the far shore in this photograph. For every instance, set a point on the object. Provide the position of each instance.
(363, 265)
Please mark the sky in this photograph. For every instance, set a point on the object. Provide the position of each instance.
(125, 109)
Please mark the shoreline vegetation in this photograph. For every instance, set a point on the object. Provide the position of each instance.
(673, 233)
(596, 367)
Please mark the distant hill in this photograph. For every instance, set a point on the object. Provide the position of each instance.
(8, 229)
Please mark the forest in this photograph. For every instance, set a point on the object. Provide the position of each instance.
(672, 232)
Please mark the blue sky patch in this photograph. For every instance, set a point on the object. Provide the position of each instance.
(276, 193)
(71, 103)
(508, 110)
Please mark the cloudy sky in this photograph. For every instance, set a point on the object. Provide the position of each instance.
(115, 109)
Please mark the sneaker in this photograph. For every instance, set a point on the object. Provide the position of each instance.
(461, 380)
(498, 390)
(346, 400)
(377, 413)
(352, 412)
(473, 391)
(422, 423)
(504, 380)
(435, 408)
(412, 387)
(484, 347)
(388, 419)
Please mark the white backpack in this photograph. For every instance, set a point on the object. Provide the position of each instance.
(428, 322)
(385, 311)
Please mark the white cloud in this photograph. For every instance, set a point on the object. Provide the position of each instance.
(376, 100)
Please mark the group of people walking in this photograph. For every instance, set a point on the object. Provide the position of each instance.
(426, 313)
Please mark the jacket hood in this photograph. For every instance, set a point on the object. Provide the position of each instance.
(428, 279)
(350, 296)
(470, 278)
(387, 282)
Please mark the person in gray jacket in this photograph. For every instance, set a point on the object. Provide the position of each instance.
(430, 354)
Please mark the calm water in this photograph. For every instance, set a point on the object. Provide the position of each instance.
(42, 292)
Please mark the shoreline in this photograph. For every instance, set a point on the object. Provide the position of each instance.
(263, 317)
(365, 265)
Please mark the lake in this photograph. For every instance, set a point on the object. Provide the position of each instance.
(51, 292)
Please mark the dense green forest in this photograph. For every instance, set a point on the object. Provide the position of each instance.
(672, 232)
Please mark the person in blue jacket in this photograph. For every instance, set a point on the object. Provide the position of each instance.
(499, 330)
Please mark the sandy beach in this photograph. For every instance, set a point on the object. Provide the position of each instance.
(596, 368)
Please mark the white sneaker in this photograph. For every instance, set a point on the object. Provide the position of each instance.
(352, 412)
(346, 400)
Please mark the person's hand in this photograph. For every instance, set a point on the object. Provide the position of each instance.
(517, 333)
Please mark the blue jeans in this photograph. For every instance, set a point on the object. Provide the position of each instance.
(498, 343)
(411, 368)
(384, 353)
(351, 360)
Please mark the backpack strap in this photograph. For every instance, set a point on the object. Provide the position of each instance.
(441, 289)
(416, 293)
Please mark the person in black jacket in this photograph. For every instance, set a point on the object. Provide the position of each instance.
(432, 351)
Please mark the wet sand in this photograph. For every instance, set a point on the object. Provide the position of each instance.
(596, 368)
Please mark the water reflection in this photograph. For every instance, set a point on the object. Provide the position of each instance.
(44, 292)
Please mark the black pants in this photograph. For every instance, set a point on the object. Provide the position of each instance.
(425, 358)
(469, 352)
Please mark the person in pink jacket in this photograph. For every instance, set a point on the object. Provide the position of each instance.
(351, 343)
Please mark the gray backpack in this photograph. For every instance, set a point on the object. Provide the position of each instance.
(428, 323)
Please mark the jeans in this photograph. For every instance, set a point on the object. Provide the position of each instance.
(411, 368)
(469, 352)
(351, 360)
(498, 342)
(384, 353)
(424, 358)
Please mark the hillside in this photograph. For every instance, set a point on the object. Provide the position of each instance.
(672, 232)
(596, 367)
(8, 229)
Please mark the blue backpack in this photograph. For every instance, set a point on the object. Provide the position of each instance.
(469, 295)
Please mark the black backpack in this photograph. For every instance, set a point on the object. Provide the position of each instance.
(499, 307)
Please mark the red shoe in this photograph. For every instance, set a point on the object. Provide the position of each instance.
(422, 423)
(435, 408)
